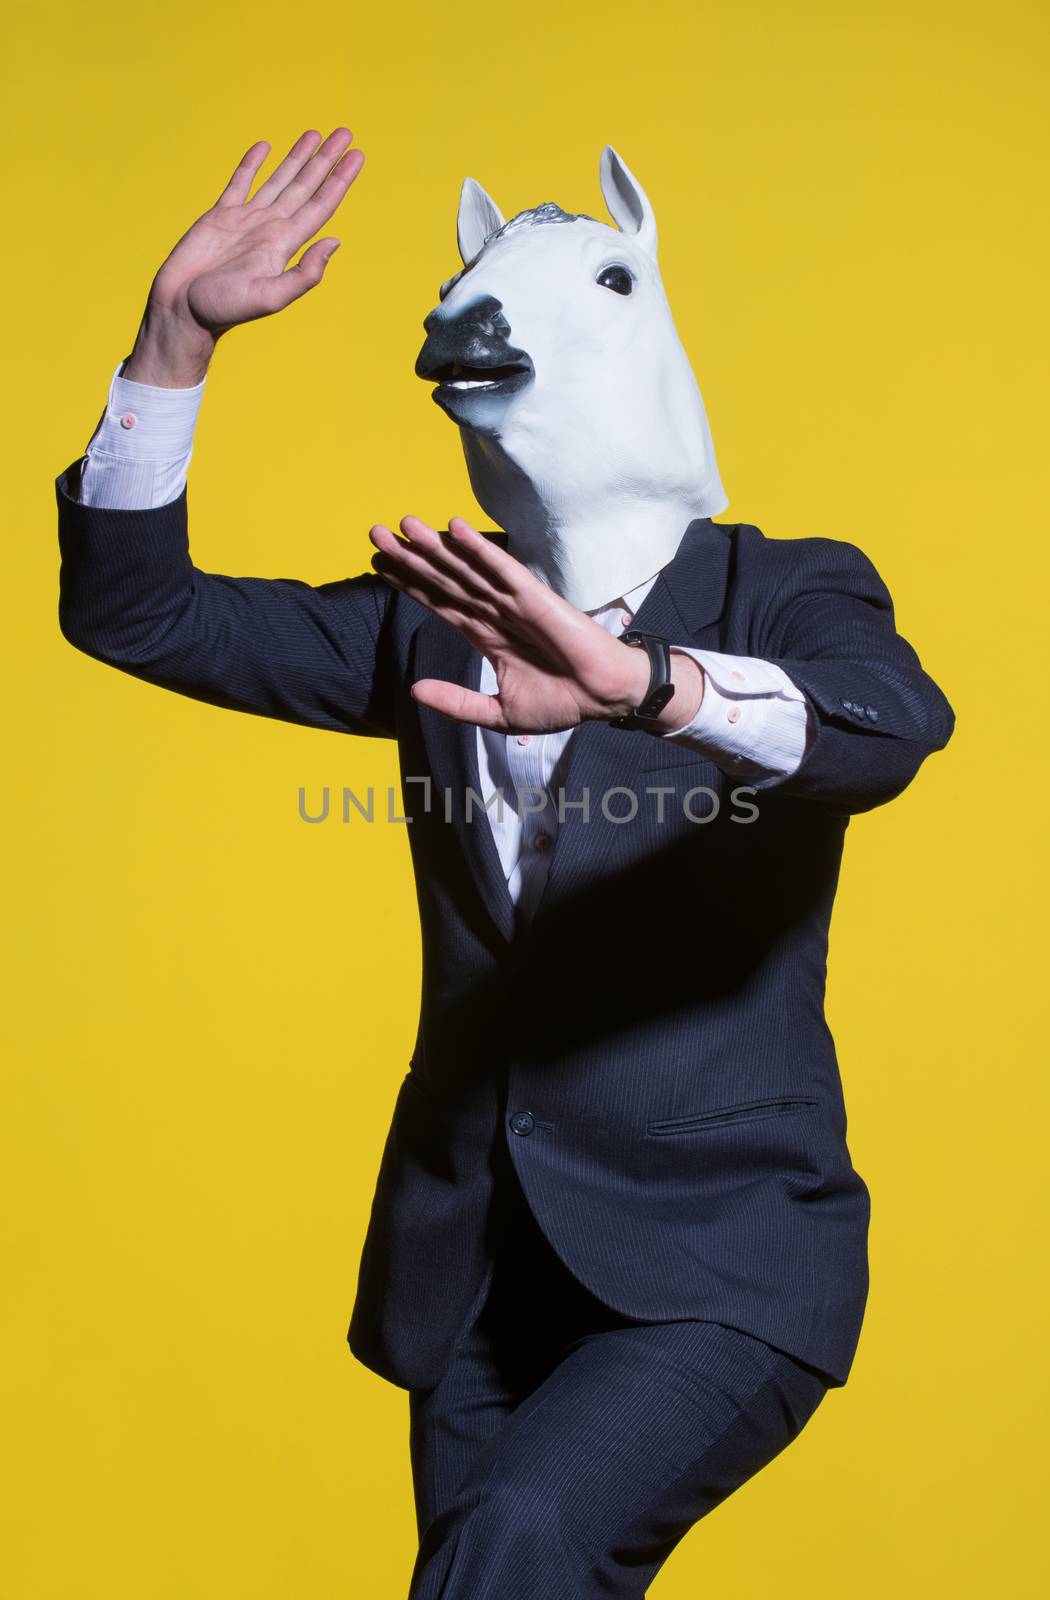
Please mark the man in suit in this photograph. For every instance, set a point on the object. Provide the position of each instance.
(617, 1251)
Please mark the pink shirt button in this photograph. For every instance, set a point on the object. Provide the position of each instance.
(523, 738)
(128, 420)
(733, 714)
(543, 841)
(627, 619)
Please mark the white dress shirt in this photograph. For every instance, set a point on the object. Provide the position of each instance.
(753, 722)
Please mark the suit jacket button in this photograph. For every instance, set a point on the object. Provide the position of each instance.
(873, 715)
(523, 1122)
(847, 705)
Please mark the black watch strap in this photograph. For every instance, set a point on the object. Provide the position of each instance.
(660, 688)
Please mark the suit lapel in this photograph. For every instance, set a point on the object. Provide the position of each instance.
(443, 652)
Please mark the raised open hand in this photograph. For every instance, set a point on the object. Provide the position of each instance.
(232, 265)
(555, 666)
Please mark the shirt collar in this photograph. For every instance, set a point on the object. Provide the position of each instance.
(631, 601)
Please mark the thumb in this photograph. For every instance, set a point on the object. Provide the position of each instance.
(305, 275)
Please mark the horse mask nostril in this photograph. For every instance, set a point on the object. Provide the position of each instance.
(478, 335)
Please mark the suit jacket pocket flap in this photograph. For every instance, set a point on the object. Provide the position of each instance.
(745, 1111)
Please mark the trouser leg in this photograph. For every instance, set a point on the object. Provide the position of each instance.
(567, 1451)
(533, 1305)
(587, 1486)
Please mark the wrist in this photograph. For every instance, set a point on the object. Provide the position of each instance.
(632, 682)
(635, 677)
(171, 350)
(687, 675)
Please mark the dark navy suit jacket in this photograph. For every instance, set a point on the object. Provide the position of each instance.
(652, 1051)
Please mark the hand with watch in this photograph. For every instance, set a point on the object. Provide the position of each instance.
(555, 666)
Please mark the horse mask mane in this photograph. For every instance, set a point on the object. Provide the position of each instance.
(582, 423)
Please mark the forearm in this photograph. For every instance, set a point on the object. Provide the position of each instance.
(130, 596)
(873, 725)
(837, 707)
(745, 715)
(876, 714)
(139, 455)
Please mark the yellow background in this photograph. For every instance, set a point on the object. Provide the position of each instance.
(210, 1004)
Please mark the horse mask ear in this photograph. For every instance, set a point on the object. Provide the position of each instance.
(479, 218)
(627, 201)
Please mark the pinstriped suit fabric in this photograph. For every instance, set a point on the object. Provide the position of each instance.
(565, 1451)
(661, 1018)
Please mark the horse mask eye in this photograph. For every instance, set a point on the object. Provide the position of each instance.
(618, 279)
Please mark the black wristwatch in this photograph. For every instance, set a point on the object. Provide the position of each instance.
(661, 689)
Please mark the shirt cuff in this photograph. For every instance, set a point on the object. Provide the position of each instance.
(140, 452)
(143, 423)
(753, 721)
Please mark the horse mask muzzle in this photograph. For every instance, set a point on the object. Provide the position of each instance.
(470, 358)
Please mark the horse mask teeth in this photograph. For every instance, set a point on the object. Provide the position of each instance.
(582, 423)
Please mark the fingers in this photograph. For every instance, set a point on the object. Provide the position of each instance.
(315, 212)
(465, 705)
(467, 557)
(236, 191)
(279, 179)
(529, 608)
(433, 590)
(309, 176)
(423, 554)
(442, 601)
(502, 570)
(296, 281)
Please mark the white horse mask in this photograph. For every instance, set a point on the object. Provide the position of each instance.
(582, 423)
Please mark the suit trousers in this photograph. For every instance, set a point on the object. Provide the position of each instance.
(566, 1449)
